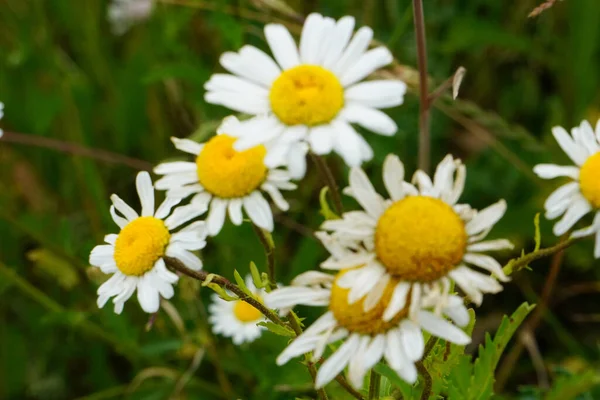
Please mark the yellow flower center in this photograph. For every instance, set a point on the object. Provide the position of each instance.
(140, 244)
(355, 319)
(420, 239)
(228, 173)
(244, 312)
(589, 180)
(306, 94)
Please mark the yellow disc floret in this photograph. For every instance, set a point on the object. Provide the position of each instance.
(306, 94)
(355, 319)
(589, 180)
(420, 239)
(228, 173)
(245, 312)
(140, 244)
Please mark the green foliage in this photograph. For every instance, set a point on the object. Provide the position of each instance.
(476, 381)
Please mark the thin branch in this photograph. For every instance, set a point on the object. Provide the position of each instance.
(221, 281)
(329, 180)
(353, 392)
(541, 8)
(427, 381)
(522, 262)
(75, 149)
(267, 243)
(424, 136)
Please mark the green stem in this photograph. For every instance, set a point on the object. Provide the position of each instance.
(374, 384)
(267, 242)
(522, 262)
(329, 179)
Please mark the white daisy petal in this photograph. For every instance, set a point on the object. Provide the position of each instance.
(175, 167)
(551, 171)
(376, 94)
(356, 48)
(120, 221)
(443, 329)
(339, 40)
(412, 340)
(369, 118)
(146, 192)
(187, 258)
(337, 361)
(122, 207)
(259, 211)
(486, 218)
(311, 38)
(276, 196)
(282, 45)
(188, 146)
(216, 215)
(498, 244)
(572, 149)
(574, 213)
(368, 63)
(235, 211)
(393, 176)
(147, 295)
(397, 302)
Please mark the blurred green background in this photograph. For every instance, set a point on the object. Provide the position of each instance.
(94, 107)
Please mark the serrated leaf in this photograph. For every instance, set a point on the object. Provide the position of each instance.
(569, 387)
(482, 381)
(405, 388)
(277, 329)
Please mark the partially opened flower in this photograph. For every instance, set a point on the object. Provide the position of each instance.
(122, 14)
(135, 256)
(420, 239)
(225, 179)
(575, 199)
(311, 93)
(367, 338)
(237, 319)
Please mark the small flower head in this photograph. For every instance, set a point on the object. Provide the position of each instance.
(577, 198)
(367, 338)
(135, 256)
(226, 179)
(310, 95)
(420, 239)
(122, 14)
(237, 319)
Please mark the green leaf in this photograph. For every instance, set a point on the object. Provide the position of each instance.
(482, 381)
(538, 235)
(405, 388)
(277, 329)
(569, 387)
(326, 211)
(256, 276)
(240, 282)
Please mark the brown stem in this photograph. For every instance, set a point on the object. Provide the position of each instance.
(353, 392)
(269, 253)
(427, 382)
(75, 149)
(424, 138)
(329, 179)
(219, 280)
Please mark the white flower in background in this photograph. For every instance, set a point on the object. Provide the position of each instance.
(420, 239)
(135, 256)
(237, 319)
(123, 14)
(1, 115)
(225, 179)
(311, 94)
(575, 199)
(367, 338)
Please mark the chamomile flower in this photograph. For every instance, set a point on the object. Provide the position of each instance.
(135, 256)
(310, 94)
(225, 179)
(575, 199)
(367, 338)
(123, 14)
(420, 239)
(1, 115)
(237, 319)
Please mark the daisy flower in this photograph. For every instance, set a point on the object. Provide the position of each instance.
(367, 338)
(420, 238)
(575, 199)
(237, 319)
(135, 256)
(225, 179)
(1, 115)
(310, 94)
(123, 14)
